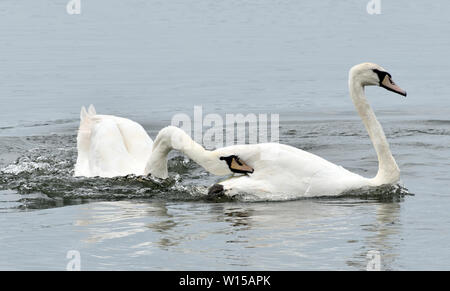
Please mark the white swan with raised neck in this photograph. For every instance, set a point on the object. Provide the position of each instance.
(271, 169)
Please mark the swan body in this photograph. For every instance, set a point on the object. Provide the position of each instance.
(110, 146)
(283, 171)
(279, 170)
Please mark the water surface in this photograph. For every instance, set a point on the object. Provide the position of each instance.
(148, 60)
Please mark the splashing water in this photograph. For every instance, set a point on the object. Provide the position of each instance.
(46, 172)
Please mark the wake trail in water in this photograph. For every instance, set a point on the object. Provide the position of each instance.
(42, 175)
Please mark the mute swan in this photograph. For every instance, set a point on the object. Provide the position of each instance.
(110, 146)
(272, 170)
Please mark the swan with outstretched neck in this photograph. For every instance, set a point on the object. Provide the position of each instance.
(272, 170)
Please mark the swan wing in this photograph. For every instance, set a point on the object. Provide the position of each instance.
(137, 142)
(288, 172)
(110, 146)
(108, 154)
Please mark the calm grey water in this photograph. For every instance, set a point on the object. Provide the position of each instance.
(148, 60)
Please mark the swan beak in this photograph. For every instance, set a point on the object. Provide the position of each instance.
(236, 165)
(240, 167)
(388, 84)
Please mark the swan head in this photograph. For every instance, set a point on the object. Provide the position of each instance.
(370, 74)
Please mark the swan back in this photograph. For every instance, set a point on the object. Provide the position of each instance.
(110, 146)
(288, 172)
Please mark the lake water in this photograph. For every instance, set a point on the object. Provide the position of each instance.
(148, 60)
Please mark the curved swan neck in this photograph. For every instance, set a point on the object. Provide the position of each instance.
(174, 138)
(388, 171)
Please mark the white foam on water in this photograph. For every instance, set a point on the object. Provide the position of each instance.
(25, 167)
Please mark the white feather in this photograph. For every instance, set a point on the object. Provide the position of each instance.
(110, 146)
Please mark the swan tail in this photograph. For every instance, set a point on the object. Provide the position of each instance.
(89, 113)
(83, 113)
(86, 118)
(91, 110)
(84, 141)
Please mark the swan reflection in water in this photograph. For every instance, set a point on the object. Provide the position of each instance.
(302, 234)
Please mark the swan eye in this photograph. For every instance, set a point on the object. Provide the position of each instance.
(236, 165)
(382, 75)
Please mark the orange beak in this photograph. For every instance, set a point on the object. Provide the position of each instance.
(388, 84)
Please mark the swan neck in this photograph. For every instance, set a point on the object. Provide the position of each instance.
(388, 171)
(171, 138)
